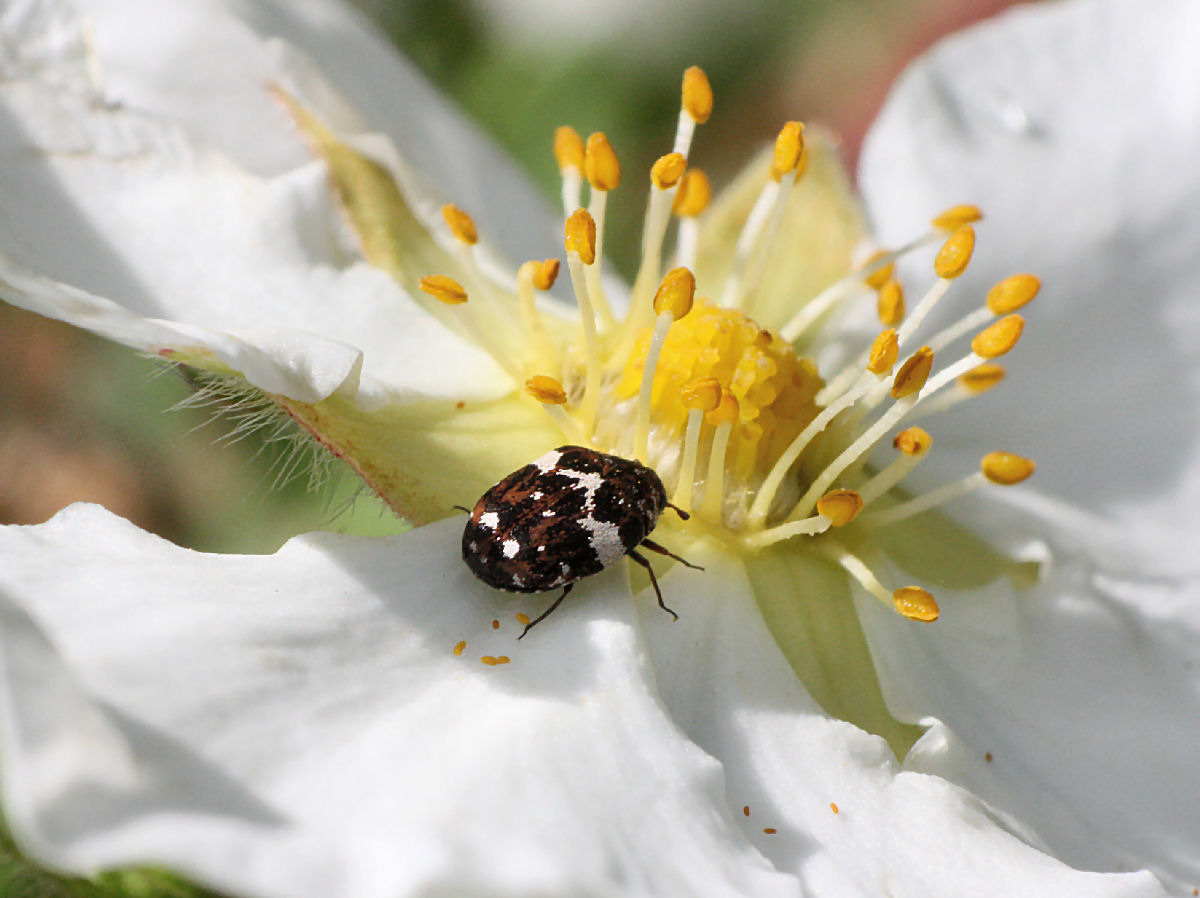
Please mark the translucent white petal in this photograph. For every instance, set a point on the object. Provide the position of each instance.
(1076, 127)
(1072, 705)
(297, 724)
(122, 189)
(894, 832)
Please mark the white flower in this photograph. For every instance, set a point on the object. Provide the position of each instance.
(300, 724)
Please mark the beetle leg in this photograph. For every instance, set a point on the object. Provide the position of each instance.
(655, 547)
(641, 559)
(545, 614)
(683, 515)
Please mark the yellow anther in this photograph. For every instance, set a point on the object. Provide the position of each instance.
(1005, 468)
(727, 410)
(546, 389)
(568, 148)
(890, 304)
(697, 94)
(461, 224)
(693, 195)
(913, 373)
(600, 163)
(955, 253)
(802, 164)
(667, 170)
(676, 293)
(1012, 293)
(445, 289)
(916, 604)
(545, 274)
(957, 216)
(581, 235)
(876, 279)
(840, 506)
(992, 342)
(884, 352)
(982, 378)
(913, 441)
(703, 394)
(789, 145)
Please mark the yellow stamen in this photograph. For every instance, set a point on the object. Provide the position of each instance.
(957, 216)
(694, 194)
(581, 236)
(890, 304)
(703, 394)
(676, 293)
(698, 397)
(1012, 293)
(916, 604)
(955, 253)
(697, 95)
(461, 224)
(913, 441)
(840, 506)
(883, 354)
(568, 148)
(546, 389)
(545, 274)
(880, 276)
(789, 146)
(444, 289)
(723, 417)
(1005, 468)
(600, 163)
(982, 378)
(667, 170)
(995, 341)
(913, 373)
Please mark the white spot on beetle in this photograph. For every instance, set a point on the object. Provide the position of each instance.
(489, 520)
(511, 548)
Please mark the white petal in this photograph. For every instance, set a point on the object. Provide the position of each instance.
(1084, 689)
(105, 189)
(894, 832)
(297, 724)
(1076, 126)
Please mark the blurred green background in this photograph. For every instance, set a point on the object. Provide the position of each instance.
(82, 420)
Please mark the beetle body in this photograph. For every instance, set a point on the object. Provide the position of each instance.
(567, 515)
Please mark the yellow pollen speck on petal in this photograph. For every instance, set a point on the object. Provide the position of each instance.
(913, 441)
(676, 293)
(840, 506)
(994, 341)
(600, 164)
(703, 394)
(770, 830)
(913, 373)
(546, 389)
(727, 410)
(495, 624)
(443, 288)
(983, 377)
(884, 352)
(460, 223)
(876, 279)
(697, 94)
(955, 253)
(957, 216)
(890, 305)
(746, 811)
(568, 148)
(460, 647)
(916, 604)
(489, 660)
(581, 235)
(503, 659)
(1012, 293)
(667, 170)
(1005, 468)
(522, 617)
(789, 145)
(693, 195)
(545, 274)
